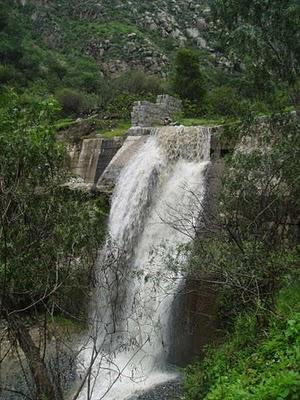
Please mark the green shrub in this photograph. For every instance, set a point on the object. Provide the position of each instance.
(72, 101)
(278, 100)
(187, 79)
(191, 109)
(121, 106)
(83, 73)
(11, 33)
(223, 100)
(7, 73)
(257, 363)
(138, 82)
(58, 67)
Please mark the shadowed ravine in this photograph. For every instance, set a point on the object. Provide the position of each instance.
(155, 208)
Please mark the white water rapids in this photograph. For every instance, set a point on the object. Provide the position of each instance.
(157, 191)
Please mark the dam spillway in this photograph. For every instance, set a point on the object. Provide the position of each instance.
(155, 209)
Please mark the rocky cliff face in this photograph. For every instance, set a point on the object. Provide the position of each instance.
(120, 34)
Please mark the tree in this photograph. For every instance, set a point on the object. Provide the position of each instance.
(47, 233)
(263, 36)
(249, 243)
(187, 80)
(11, 34)
(72, 101)
(139, 83)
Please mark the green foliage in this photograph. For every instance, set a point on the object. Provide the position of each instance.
(232, 94)
(267, 177)
(139, 83)
(11, 33)
(263, 35)
(36, 64)
(73, 77)
(8, 74)
(62, 52)
(121, 105)
(49, 234)
(130, 87)
(72, 101)
(187, 80)
(82, 73)
(252, 253)
(119, 130)
(254, 362)
(248, 273)
(201, 121)
(223, 101)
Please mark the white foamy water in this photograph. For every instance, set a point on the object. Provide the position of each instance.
(154, 209)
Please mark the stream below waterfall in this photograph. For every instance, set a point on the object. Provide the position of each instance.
(155, 209)
(166, 391)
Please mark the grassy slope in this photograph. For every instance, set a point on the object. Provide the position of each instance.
(63, 32)
(255, 362)
(118, 131)
(202, 121)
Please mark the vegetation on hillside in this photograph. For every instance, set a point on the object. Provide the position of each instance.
(262, 37)
(255, 362)
(49, 234)
(251, 247)
(38, 64)
(42, 60)
(187, 80)
(37, 70)
(52, 79)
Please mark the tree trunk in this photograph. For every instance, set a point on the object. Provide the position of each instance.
(44, 386)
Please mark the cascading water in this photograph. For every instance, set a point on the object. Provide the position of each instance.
(155, 208)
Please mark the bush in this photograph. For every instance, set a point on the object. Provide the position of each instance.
(138, 82)
(72, 102)
(121, 106)
(223, 100)
(11, 33)
(57, 67)
(192, 110)
(7, 73)
(254, 362)
(83, 74)
(187, 80)
(278, 100)
(32, 60)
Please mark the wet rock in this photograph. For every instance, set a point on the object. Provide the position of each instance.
(166, 391)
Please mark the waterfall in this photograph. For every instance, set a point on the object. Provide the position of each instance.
(155, 208)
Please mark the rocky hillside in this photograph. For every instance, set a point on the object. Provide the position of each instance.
(119, 34)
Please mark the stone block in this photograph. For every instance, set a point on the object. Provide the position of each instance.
(145, 113)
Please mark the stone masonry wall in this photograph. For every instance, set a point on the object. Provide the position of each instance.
(90, 157)
(146, 114)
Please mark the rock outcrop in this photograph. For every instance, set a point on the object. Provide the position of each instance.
(121, 34)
